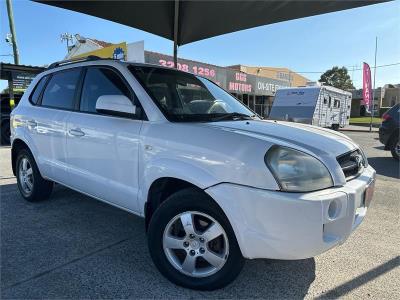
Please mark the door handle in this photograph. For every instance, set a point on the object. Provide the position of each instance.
(76, 132)
(32, 123)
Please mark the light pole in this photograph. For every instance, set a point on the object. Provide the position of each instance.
(13, 36)
(373, 89)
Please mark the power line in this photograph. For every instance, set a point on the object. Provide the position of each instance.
(358, 69)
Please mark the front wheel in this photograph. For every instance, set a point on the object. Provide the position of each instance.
(192, 242)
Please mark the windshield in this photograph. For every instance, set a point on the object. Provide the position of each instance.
(185, 97)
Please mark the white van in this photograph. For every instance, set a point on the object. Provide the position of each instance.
(323, 106)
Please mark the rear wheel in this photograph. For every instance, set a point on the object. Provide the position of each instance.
(192, 243)
(32, 186)
(335, 127)
(395, 148)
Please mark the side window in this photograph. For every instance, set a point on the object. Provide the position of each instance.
(99, 82)
(60, 91)
(330, 101)
(34, 98)
(336, 103)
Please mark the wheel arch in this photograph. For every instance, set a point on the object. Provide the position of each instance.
(17, 145)
(161, 189)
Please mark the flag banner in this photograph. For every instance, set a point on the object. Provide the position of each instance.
(367, 87)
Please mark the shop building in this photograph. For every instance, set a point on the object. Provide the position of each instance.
(384, 98)
(292, 78)
(391, 95)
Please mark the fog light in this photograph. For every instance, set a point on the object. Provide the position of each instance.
(334, 209)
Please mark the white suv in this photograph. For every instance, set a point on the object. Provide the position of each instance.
(215, 183)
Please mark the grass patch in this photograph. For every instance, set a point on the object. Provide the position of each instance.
(365, 120)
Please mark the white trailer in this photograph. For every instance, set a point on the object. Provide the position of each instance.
(323, 106)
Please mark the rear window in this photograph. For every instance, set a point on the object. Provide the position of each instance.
(38, 90)
(60, 91)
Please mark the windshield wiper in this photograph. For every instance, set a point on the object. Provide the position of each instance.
(233, 116)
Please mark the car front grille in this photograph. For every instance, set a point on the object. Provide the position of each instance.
(352, 163)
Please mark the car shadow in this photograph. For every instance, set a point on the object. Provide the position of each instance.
(270, 279)
(385, 166)
(381, 147)
(72, 246)
(358, 281)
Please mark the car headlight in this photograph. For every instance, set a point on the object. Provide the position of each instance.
(297, 171)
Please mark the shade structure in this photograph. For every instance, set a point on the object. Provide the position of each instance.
(188, 21)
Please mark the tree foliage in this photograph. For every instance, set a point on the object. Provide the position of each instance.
(338, 78)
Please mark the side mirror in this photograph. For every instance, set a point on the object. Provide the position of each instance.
(115, 105)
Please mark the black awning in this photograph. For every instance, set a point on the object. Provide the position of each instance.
(199, 20)
(7, 69)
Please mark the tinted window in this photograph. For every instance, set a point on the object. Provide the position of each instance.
(99, 82)
(38, 89)
(60, 90)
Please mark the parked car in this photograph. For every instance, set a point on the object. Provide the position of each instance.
(215, 183)
(389, 131)
(5, 111)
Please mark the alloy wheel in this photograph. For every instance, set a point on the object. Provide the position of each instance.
(195, 244)
(26, 176)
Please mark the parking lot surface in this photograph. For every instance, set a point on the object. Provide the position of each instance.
(73, 246)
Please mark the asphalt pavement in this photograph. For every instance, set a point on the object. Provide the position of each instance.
(72, 246)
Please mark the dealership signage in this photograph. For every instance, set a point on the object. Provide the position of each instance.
(229, 79)
(116, 51)
(21, 80)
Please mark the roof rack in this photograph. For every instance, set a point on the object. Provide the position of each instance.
(74, 60)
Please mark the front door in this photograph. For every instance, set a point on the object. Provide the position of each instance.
(103, 150)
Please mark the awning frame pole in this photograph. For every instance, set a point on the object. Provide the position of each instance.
(176, 25)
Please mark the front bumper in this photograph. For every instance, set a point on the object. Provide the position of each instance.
(281, 225)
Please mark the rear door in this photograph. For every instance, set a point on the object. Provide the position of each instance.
(102, 149)
(47, 121)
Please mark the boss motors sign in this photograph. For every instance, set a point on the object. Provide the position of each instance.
(229, 79)
(239, 82)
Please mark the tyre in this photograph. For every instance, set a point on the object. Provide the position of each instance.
(335, 127)
(192, 242)
(5, 133)
(32, 186)
(395, 148)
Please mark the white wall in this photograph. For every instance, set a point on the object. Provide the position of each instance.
(135, 52)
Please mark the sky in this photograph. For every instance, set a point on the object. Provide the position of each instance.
(308, 45)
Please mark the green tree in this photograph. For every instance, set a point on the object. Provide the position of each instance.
(338, 78)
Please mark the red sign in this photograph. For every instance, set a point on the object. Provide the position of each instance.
(367, 86)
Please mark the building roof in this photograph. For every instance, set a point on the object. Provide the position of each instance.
(6, 69)
(100, 43)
